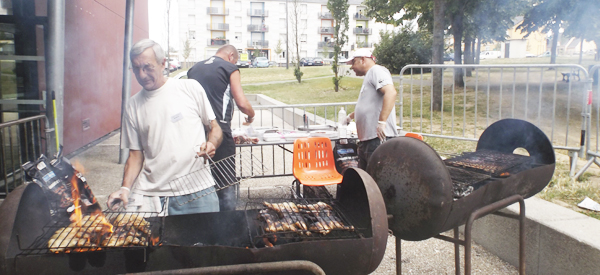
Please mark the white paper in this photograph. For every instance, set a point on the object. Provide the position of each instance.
(589, 204)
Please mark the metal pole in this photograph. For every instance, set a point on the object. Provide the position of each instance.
(55, 70)
(124, 153)
(398, 256)
(287, 38)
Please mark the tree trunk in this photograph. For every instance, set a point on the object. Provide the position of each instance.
(478, 51)
(554, 52)
(468, 53)
(580, 51)
(457, 31)
(437, 52)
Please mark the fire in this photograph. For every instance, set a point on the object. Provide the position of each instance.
(154, 240)
(76, 215)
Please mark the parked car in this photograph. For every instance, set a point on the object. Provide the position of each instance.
(243, 64)
(449, 57)
(545, 54)
(490, 54)
(172, 67)
(318, 61)
(260, 62)
(181, 75)
(272, 63)
(175, 62)
(528, 55)
(308, 61)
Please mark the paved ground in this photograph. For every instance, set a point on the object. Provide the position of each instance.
(432, 256)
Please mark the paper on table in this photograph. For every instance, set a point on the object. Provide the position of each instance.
(589, 204)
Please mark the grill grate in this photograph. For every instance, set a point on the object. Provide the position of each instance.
(93, 233)
(492, 162)
(463, 181)
(278, 221)
(226, 172)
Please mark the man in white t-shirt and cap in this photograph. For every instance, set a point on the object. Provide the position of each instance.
(164, 129)
(374, 113)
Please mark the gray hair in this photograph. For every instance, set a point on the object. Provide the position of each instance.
(144, 44)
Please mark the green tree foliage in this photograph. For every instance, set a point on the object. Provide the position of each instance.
(339, 12)
(545, 16)
(298, 73)
(398, 49)
(583, 22)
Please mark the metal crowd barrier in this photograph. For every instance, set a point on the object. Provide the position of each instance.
(22, 140)
(593, 125)
(549, 96)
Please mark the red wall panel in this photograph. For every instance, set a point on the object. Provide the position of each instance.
(94, 35)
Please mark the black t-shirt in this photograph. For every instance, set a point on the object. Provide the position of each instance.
(213, 74)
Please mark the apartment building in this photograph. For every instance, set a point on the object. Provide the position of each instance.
(259, 27)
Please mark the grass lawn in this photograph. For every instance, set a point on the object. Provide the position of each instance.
(562, 189)
(259, 75)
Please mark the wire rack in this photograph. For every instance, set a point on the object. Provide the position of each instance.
(95, 232)
(219, 174)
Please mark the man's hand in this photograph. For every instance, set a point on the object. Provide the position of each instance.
(249, 121)
(347, 120)
(381, 130)
(118, 198)
(206, 150)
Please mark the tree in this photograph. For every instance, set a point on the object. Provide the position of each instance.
(398, 49)
(582, 23)
(339, 12)
(187, 50)
(546, 15)
(296, 34)
(278, 49)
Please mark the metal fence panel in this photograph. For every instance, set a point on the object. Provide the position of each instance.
(22, 140)
(546, 95)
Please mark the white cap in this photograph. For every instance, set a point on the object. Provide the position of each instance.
(362, 52)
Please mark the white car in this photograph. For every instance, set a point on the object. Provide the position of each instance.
(490, 54)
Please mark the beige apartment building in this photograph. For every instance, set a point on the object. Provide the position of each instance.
(260, 27)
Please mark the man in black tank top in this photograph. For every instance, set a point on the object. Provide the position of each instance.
(220, 78)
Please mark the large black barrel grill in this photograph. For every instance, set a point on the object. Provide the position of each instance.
(343, 235)
(427, 195)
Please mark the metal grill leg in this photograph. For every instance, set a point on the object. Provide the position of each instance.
(398, 256)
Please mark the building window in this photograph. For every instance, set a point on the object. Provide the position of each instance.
(238, 21)
(282, 7)
(303, 23)
(281, 24)
(303, 38)
(303, 9)
(238, 5)
(192, 35)
(238, 37)
(192, 19)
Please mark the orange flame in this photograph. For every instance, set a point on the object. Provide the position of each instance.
(76, 216)
(154, 240)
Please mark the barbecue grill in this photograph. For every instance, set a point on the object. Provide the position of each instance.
(427, 195)
(355, 246)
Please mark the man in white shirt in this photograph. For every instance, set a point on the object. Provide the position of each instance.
(375, 113)
(164, 130)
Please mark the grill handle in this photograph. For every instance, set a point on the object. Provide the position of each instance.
(245, 268)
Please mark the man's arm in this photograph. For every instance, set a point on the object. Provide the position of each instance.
(215, 137)
(238, 95)
(389, 99)
(133, 166)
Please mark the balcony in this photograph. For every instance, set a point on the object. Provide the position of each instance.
(217, 27)
(325, 15)
(217, 42)
(258, 28)
(364, 45)
(366, 31)
(327, 44)
(326, 30)
(258, 44)
(261, 13)
(217, 11)
(360, 16)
